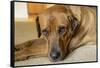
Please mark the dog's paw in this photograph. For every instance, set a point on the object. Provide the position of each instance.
(21, 58)
(22, 46)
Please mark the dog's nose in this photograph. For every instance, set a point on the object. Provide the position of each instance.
(55, 55)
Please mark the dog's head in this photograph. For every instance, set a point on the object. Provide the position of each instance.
(58, 25)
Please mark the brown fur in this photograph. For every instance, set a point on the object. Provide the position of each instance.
(32, 48)
(80, 28)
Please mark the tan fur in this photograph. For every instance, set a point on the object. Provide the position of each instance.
(32, 48)
(57, 15)
(87, 31)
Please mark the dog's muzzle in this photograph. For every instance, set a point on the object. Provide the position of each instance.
(55, 54)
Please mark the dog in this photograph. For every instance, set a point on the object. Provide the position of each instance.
(64, 28)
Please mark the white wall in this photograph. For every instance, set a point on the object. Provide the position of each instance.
(21, 11)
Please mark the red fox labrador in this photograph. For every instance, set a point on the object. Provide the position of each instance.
(62, 29)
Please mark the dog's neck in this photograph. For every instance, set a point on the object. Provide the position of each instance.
(86, 32)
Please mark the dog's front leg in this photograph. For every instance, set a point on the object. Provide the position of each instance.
(32, 48)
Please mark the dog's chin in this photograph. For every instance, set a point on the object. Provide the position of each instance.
(56, 60)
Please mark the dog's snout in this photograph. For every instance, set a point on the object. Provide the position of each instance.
(55, 54)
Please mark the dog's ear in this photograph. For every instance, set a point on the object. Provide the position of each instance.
(38, 27)
(74, 24)
(76, 11)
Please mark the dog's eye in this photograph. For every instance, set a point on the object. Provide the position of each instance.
(61, 30)
(45, 32)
